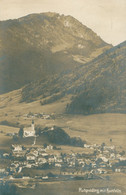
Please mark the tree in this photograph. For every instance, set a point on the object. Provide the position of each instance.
(45, 145)
(21, 132)
(15, 138)
(102, 146)
(18, 175)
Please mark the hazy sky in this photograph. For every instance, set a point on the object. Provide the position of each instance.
(106, 17)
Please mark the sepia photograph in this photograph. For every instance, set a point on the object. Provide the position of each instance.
(62, 97)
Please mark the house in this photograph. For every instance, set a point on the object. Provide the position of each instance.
(104, 159)
(15, 165)
(25, 177)
(17, 148)
(81, 162)
(29, 131)
(89, 146)
(19, 153)
(112, 156)
(5, 155)
(34, 152)
(109, 147)
(98, 171)
(58, 159)
(94, 165)
(44, 154)
(58, 165)
(86, 146)
(20, 169)
(49, 147)
(30, 157)
(117, 170)
(51, 160)
(28, 165)
(42, 160)
(46, 116)
(2, 170)
(122, 158)
(41, 150)
(45, 177)
(13, 169)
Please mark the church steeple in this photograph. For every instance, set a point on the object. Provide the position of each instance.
(29, 131)
(32, 125)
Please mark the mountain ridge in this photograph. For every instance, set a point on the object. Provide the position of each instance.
(98, 86)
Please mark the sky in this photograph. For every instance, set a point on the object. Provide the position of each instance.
(105, 17)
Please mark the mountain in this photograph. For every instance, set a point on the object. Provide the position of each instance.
(38, 46)
(104, 88)
(98, 86)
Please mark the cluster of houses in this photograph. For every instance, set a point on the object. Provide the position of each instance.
(31, 115)
(32, 157)
(107, 159)
(104, 159)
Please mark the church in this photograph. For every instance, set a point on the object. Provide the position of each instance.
(29, 131)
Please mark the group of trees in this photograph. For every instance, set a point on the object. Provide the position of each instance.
(8, 189)
(59, 136)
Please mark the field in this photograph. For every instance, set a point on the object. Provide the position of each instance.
(94, 128)
(72, 187)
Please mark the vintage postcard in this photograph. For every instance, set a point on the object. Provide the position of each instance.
(62, 97)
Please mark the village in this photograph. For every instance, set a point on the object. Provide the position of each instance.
(103, 160)
(48, 162)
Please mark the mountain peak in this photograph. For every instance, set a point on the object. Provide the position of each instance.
(39, 45)
(39, 15)
(65, 21)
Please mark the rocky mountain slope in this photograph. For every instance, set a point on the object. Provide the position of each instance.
(98, 86)
(40, 45)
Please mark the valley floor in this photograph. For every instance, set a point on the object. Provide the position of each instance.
(105, 128)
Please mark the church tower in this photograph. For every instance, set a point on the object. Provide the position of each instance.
(33, 126)
(29, 131)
